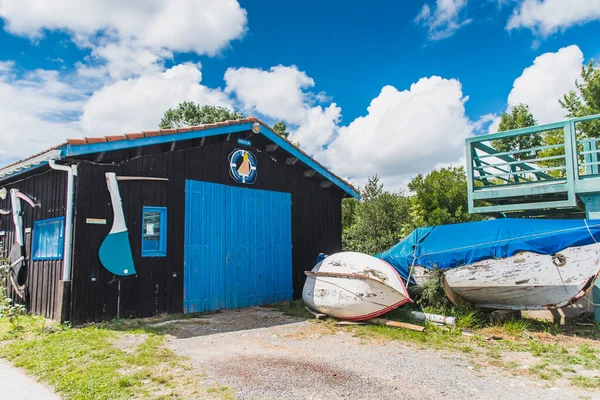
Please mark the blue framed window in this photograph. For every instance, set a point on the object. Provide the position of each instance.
(48, 239)
(154, 232)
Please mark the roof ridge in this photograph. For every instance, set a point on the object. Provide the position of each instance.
(160, 132)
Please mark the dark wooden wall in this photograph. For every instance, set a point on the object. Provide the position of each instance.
(48, 188)
(158, 285)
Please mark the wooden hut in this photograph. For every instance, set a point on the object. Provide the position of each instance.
(218, 216)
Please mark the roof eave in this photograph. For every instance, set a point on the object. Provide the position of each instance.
(29, 164)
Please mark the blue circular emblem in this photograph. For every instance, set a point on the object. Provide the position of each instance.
(242, 166)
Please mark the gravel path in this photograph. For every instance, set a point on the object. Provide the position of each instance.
(260, 354)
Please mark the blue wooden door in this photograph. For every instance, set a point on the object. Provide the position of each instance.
(258, 247)
(204, 249)
(238, 247)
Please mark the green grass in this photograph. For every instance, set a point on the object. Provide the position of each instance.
(514, 326)
(586, 382)
(294, 308)
(87, 362)
(222, 392)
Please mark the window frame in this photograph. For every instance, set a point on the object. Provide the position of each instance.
(162, 238)
(35, 240)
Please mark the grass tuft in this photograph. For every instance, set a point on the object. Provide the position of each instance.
(588, 382)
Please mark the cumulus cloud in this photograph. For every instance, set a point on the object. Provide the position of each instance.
(283, 93)
(404, 133)
(149, 29)
(545, 17)
(138, 103)
(37, 110)
(549, 77)
(447, 18)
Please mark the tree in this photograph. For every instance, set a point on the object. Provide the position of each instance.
(518, 117)
(376, 222)
(190, 114)
(585, 100)
(440, 198)
(281, 129)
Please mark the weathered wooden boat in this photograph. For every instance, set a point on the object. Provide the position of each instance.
(504, 264)
(354, 286)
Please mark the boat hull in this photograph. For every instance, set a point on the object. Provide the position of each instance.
(354, 286)
(525, 281)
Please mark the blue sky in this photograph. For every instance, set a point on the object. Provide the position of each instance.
(433, 70)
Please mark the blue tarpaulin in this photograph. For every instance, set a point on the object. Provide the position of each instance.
(450, 246)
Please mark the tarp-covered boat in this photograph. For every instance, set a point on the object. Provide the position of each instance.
(504, 263)
(354, 286)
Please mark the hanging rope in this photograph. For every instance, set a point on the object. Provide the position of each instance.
(411, 267)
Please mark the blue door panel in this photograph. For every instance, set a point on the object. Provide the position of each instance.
(204, 250)
(238, 250)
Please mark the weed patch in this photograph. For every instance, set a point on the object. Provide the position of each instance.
(88, 362)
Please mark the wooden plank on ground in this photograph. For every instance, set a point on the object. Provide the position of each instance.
(317, 315)
(397, 324)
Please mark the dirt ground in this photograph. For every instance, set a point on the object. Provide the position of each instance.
(258, 353)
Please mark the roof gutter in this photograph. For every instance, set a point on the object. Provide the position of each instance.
(68, 251)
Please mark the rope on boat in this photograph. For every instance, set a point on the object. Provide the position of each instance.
(411, 268)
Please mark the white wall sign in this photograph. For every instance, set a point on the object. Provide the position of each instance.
(95, 221)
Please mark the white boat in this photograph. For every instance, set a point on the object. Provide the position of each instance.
(511, 264)
(526, 281)
(354, 286)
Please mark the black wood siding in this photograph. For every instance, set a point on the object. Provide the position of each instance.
(158, 285)
(48, 188)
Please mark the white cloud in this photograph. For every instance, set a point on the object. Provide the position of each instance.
(138, 103)
(486, 123)
(148, 29)
(404, 133)
(549, 77)
(122, 85)
(282, 93)
(445, 20)
(279, 93)
(37, 111)
(545, 17)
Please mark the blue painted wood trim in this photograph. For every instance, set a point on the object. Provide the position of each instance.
(162, 238)
(36, 240)
(284, 144)
(126, 144)
(24, 170)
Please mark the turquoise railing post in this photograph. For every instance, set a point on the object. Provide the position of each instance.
(570, 143)
(470, 177)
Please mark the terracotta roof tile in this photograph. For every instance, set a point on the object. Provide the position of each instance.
(133, 136)
(138, 135)
(115, 138)
(91, 140)
(152, 133)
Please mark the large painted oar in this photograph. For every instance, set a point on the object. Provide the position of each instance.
(115, 251)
